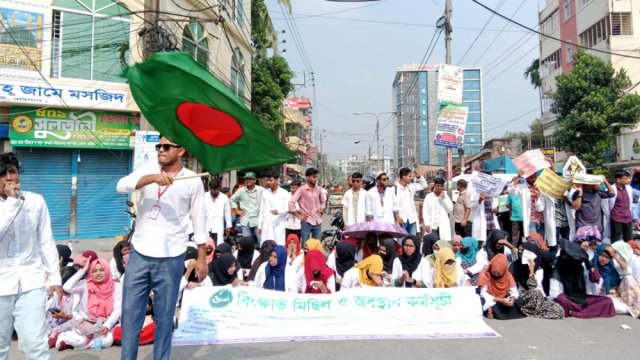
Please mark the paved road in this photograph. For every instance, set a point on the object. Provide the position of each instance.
(521, 339)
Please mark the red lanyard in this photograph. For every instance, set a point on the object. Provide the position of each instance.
(160, 193)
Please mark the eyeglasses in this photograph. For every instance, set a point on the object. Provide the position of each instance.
(166, 147)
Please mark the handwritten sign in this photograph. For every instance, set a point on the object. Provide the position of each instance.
(218, 315)
(530, 162)
(573, 167)
(551, 184)
(484, 183)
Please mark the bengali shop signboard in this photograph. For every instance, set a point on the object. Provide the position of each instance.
(77, 129)
(218, 315)
(452, 120)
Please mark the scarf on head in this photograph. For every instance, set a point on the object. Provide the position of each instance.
(265, 251)
(219, 270)
(311, 244)
(492, 241)
(390, 256)
(294, 239)
(520, 270)
(441, 245)
(316, 263)
(537, 239)
(65, 253)
(445, 276)
(610, 276)
(345, 256)
(100, 294)
(411, 263)
(222, 248)
(275, 274)
(367, 250)
(372, 264)
(497, 287)
(469, 251)
(246, 249)
(213, 247)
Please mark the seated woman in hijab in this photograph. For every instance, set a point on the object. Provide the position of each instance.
(99, 308)
(392, 267)
(568, 285)
(222, 248)
(119, 261)
(617, 280)
(369, 247)
(528, 276)
(223, 271)
(294, 252)
(366, 273)
(497, 243)
(344, 257)
(265, 252)
(315, 277)
(498, 291)
(275, 274)
(471, 263)
(246, 254)
(414, 269)
(447, 273)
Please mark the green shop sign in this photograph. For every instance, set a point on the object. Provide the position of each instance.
(77, 129)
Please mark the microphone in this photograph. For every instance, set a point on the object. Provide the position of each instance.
(19, 194)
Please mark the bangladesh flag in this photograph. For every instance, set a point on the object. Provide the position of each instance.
(190, 106)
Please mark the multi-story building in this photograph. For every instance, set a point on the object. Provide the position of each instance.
(297, 137)
(66, 109)
(603, 25)
(415, 101)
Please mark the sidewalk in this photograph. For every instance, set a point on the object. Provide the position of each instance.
(102, 246)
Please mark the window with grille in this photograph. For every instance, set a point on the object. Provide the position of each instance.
(596, 33)
(194, 42)
(56, 29)
(238, 81)
(621, 24)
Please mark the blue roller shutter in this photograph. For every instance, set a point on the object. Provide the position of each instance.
(48, 172)
(100, 209)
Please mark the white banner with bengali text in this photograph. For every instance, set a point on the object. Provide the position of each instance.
(489, 185)
(219, 315)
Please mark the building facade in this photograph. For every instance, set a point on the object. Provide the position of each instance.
(66, 109)
(297, 137)
(415, 101)
(611, 26)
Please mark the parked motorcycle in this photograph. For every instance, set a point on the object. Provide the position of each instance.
(331, 237)
(132, 213)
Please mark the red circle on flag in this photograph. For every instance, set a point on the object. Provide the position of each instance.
(212, 126)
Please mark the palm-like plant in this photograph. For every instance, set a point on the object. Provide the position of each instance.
(532, 73)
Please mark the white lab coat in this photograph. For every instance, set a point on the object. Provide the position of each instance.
(522, 190)
(549, 209)
(381, 211)
(349, 207)
(479, 222)
(406, 204)
(218, 214)
(435, 213)
(273, 226)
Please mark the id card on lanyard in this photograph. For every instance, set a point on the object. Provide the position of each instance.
(155, 209)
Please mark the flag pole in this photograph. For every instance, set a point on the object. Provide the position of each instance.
(191, 176)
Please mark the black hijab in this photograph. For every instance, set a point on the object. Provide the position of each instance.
(265, 251)
(411, 263)
(388, 259)
(218, 270)
(65, 253)
(245, 252)
(492, 241)
(570, 271)
(117, 254)
(520, 271)
(345, 256)
(192, 254)
(222, 248)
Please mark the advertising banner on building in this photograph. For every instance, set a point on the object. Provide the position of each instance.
(30, 92)
(68, 128)
(26, 23)
(450, 84)
(452, 120)
(218, 315)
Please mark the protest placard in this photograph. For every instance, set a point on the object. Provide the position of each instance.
(530, 162)
(489, 185)
(572, 167)
(551, 184)
(218, 315)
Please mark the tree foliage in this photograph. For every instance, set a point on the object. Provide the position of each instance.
(534, 135)
(588, 100)
(270, 75)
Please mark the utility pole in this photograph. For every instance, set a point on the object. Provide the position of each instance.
(378, 143)
(448, 29)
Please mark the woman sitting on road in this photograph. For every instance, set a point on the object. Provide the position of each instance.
(366, 273)
(294, 252)
(392, 269)
(369, 247)
(265, 253)
(275, 274)
(223, 271)
(413, 270)
(498, 291)
(246, 254)
(447, 273)
(568, 286)
(471, 263)
(315, 277)
(118, 264)
(343, 260)
(497, 243)
(99, 308)
(616, 265)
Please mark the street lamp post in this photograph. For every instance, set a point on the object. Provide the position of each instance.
(377, 116)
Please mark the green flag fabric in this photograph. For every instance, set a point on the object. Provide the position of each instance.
(189, 105)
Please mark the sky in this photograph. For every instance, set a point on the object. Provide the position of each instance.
(354, 50)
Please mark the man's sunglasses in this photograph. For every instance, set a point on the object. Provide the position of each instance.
(165, 147)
